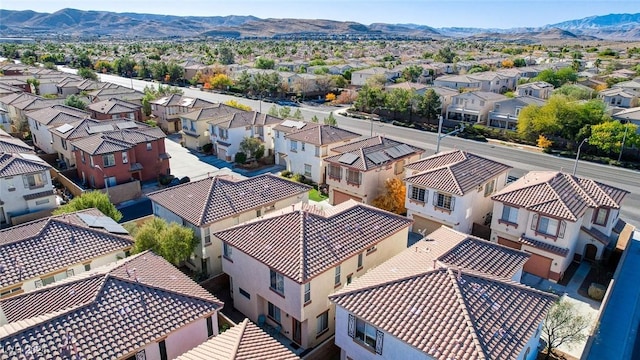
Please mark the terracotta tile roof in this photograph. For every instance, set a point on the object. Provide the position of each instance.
(44, 246)
(559, 194)
(544, 246)
(113, 106)
(19, 164)
(100, 144)
(38, 195)
(380, 149)
(291, 126)
(207, 200)
(303, 244)
(36, 103)
(58, 114)
(9, 144)
(211, 112)
(242, 119)
(445, 247)
(451, 314)
(322, 135)
(596, 234)
(244, 341)
(456, 172)
(113, 140)
(118, 311)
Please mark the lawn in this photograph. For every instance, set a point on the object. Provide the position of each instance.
(316, 196)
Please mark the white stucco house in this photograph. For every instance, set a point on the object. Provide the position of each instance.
(473, 106)
(41, 122)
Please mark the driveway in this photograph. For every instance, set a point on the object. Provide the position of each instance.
(185, 163)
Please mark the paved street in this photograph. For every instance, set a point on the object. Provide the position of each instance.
(521, 160)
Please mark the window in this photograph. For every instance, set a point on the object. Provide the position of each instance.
(163, 350)
(125, 157)
(227, 250)
(443, 201)
(82, 157)
(42, 202)
(277, 282)
(108, 160)
(601, 216)
(365, 334)
(353, 177)
(307, 170)
(87, 267)
(322, 322)
(302, 146)
(274, 312)
(209, 327)
(11, 291)
(244, 293)
(548, 226)
(417, 193)
(509, 214)
(307, 292)
(337, 276)
(91, 161)
(48, 280)
(207, 236)
(317, 153)
(64, 143)
(149, 147)
(277, 134)
(371, 249)
(360, 258)
(223, 133)
(349, 278)
(33, 181)
(335, 172)
(489, 187)
(294, 145)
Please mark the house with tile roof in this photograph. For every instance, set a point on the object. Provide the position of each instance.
(441, 313)
(360, 77)
(284, 266)
(108, 91)
(301, 146)
(25, 186)
(452, 189)
(18, 104)
(42, 121)
(361, 168)
(538, 89)
(456, 82)
(633, 85)
(195, 124)
(119, 152)
(114, 108)
(504, 114)
(558, 218)
(243, 341)
(472, 107)
(217, 203)
(141, 307)
(9, 144)
(167, 109)
(619, 97)
(227, 132)
(44, 251)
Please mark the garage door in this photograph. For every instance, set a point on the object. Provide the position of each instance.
(538, 265)
(421, 223)
(339, 197)
(222, 154)
(512, 244)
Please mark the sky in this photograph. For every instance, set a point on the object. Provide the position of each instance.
(434, 13)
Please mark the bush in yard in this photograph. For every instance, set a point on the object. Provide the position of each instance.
(206, 148)
(298, 178)
(286, 173)
(240, 158)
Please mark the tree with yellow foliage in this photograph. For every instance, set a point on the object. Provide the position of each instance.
(237, 105)
(393, 199)
(220, 81)
(330, 97)
(543, 142)
(507, 63)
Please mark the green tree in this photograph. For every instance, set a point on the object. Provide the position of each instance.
(369, 97)
(35, 83)
(264, 63)
(298, 115)
(124, 66)
(608, 136)
(75, 101)
(331, 120)
(87, 73)
(273, 111)
(430, 105)
(315, 119)
(574, 92)
(399, 100)
(445, 55)
(175, 243)
(285, 112)
(253, 147)
(412, 73)
(564, 325)
(88, 200)
(225, 55)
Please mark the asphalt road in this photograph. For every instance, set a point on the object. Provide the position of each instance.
(519, 158)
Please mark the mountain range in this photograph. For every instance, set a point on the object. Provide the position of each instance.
(91, 24)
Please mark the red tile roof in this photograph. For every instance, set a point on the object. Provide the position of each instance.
(111, 314)
(303, 244)
(244, 341)
(559, 194)
(455, 172)
(450, 314)
(18, 164)
(242, 119)
(377, 148)
(322, 135)
(207, 200)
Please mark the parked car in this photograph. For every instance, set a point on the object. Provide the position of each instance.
(287, 103)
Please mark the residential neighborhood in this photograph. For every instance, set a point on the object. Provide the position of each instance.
(365, 192)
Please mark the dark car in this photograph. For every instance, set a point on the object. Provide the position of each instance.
(287, 103)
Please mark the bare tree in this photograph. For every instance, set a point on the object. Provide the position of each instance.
(564, 325)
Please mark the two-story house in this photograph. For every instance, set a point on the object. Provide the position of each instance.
(195, 129)
(538, 89)
(472, 106)
(283, 267)
(167, 110)
(113, 91)
(302, 146)
(456, 82)
(360, 77)
(228, 131)
(41, 252)
(9, 144)
(25, 186)
(119, 153)
(557, 218)
(41, 121)
(141, 307)
(633, 85)
(452, 189)
(18, 104)
(505, 112)
(217, 203)
(446, 297)
(361, 168)
(619, 97)
(115, 108)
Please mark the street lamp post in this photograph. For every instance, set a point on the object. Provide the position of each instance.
(575, 165)
(104, 177)
(441, 135)
(624, 138)
(371, 119)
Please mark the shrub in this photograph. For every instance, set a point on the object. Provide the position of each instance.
(298, 178)
(286, 173)
(185, 180)
(240, 158)
(206, 148)
(164, 180)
